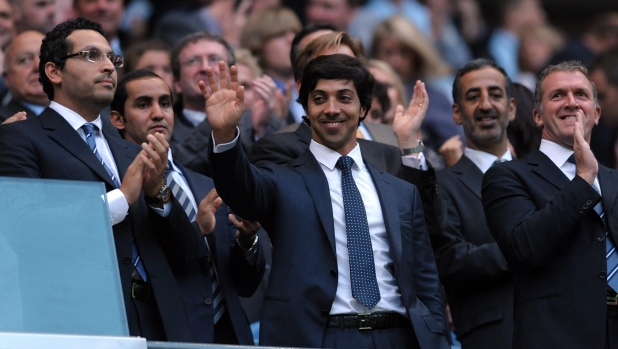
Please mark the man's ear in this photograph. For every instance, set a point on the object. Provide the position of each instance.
(116, 119)
(177, 87)
(538, 120)
(512, 109)
(54, 74)
(456, 114)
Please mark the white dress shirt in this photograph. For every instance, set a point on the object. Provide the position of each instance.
(484, 160)
(193, 116)
(344, 303)
(116, 201)
(559, 156)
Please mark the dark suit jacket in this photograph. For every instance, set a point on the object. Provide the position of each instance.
(293, 204)
(48, 147)
(479, 286)
(236, 276)
(554, 242)
(190, 144)
(13, 107)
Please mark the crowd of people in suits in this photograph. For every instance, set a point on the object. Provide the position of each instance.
(346, 183)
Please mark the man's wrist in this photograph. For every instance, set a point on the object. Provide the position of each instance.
(247, 246)
(413, 150)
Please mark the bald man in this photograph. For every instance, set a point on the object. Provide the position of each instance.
(21, 74)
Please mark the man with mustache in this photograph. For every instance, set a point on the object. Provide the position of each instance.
(78, 71)
(472, 269)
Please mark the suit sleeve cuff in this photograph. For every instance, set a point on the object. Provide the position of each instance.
(220, 148)
(416, 161)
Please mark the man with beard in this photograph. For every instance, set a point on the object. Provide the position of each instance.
(472, 269)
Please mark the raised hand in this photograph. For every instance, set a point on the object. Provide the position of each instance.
(406, 126)
(452, 150)
(224, 104)
(205, 217)
(155, 163)
(131, 184)
(265, 102)
(587, 165)
(19, 116)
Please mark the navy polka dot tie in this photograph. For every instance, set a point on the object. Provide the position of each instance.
(362, 269)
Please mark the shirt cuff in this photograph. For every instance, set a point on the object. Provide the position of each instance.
(165, 211)
(220, 148)
(118, 206)
(416, 161)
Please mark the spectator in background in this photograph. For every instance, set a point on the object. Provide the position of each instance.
(153, 55)
(449, 42)
(339, 13)
(7, 25)
(537, 46)
(399, 43)
(604, 73)
(21, 75)
(385, 74)
(600, 36)
(39, 15)
(523, 133)
(379, 104)
(109, 14)
(268, 34)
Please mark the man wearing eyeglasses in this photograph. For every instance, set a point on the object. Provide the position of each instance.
(77, 70)
(190, 59)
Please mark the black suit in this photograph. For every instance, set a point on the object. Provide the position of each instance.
(476, 276)
(13, 107)
(236, 276)
(48, 147)
(190, 143)
(554, 241)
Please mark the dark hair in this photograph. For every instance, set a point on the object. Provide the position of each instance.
(607, 63)
(307, 29)
(193, 38)
(522, 132)
(134, 52)
(567, 66)
(55, 46)
(380, 91)
(338, 67)
(477, 64)
(121, 95)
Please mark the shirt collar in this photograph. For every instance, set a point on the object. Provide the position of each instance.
(75, 120)
(555, 152)
(37, 109)
(195, 117)
(329, 157)
(484, 160)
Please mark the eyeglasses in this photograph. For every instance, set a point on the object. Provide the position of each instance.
(94, 57)
(213, 61)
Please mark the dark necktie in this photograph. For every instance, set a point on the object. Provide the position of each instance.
(610, 249)
(187, 206)
(89, 130)
(362, 269)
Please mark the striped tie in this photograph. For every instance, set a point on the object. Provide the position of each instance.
(89, 130)
(186, 204)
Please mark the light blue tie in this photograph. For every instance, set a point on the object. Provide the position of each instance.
(187, 206)
(610, 248)
(89, 130)
(362, 269)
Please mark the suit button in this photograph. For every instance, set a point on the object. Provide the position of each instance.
(333, 273)
(589, 202)
(581, 210)
(602, 275)
(127, 260)
(208, 301)
(585, 206)
(601, 238)
(325, 312)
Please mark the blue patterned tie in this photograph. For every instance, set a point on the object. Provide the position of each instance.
(362, 269)
(610, 249)
(89, 130)
(186, 204)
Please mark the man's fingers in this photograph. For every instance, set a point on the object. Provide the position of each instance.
(223, 75)
(234, 220)
(204, 90)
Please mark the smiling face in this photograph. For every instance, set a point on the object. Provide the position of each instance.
(334, 111)
(566, 95)
(147, 110)
(484, 110)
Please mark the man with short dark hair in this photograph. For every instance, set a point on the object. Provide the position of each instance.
(78, 72)
(553, 214)
(475, 275)
(347, 238)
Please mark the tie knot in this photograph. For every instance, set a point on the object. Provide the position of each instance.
(571, 159)
(89, 128)
(344, 163)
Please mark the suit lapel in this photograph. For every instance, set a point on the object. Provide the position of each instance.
(469, 175)
(545, 168)
(122, 154)
(371, 154)
(390, 210)
(608, 179)
(63, 134)
(317, 185)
